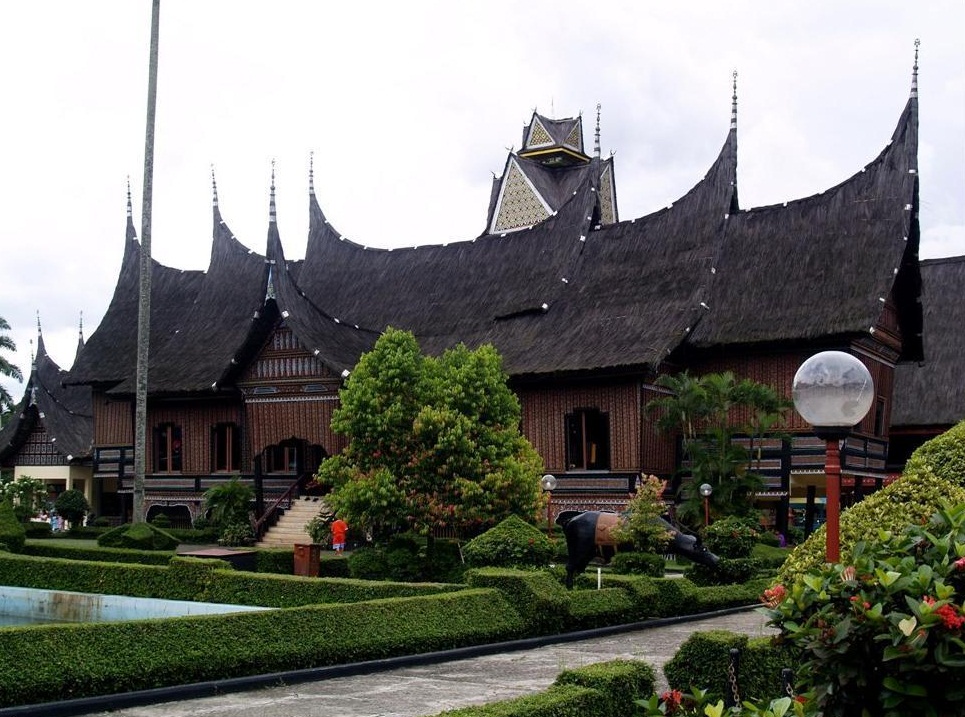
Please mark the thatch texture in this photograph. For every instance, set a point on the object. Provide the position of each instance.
(933, 393)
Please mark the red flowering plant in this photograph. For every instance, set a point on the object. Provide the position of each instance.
(697, 704)
(883, 635)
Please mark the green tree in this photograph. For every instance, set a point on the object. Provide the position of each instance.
(640, 526)
(432, 442)
(72, 506)
(710, 412)
(7, 369)
(27, 495)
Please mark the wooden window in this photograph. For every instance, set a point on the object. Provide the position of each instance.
(880, 416)
(226, 447)
(588, 440)
(167, 448)
(283, 458)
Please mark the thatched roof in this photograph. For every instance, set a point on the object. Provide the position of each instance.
(932, 393)
(569, 295)
(64, 411)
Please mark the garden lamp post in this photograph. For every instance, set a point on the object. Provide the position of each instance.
(832, 391)
(548, 483)
(705, 490)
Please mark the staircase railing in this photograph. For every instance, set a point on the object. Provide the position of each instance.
(264, 522)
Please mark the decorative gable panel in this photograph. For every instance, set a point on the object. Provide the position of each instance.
(538, 136)
(575, 138)
(520, 205)
(608, 199)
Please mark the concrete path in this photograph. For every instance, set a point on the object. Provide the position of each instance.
(420, 690)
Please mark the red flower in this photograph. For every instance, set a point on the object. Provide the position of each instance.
(959, 564)
(671, 700)
(774, 596)
(952, 618)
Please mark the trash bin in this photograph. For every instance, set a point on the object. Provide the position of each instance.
(307, 557)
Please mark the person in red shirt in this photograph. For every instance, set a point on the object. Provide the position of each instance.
(339, 530)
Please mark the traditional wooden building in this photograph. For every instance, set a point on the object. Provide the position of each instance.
(49, 436)
(586, 309)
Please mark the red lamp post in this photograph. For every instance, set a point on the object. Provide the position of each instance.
(548, 483)
(833, 391)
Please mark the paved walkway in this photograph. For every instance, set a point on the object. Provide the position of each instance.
(420, 690)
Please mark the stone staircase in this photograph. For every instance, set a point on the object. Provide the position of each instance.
(290, 528)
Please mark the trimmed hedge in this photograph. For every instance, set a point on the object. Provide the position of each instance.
(51, 549)
(539, 599)
(140, 536)
(606, 689)
(69, 661)
(600, 608)
(703, 661)
(12, 533)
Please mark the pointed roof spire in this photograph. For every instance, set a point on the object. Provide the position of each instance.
(271, 200)
(214, 189)
(914, 71)
(130, 209)
(80, 328)
(733, 106)
(596, 136)
(311, 174)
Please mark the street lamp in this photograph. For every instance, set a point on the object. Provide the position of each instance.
(705, 490)
(548, 483)
(833, 391)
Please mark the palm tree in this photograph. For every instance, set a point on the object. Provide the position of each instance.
(7, 369)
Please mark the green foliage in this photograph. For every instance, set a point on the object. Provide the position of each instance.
(709, 412)
(28, 495)
(36, 529)
(161, 520)
(702, 661)
(599, 608)
(943, 455)
(140, 536)
(618, 683)
(728, 571)
(538, 598)
(72, 505)
(56, 549)
(236, 534)
(911, 499)
(882, 631)
(562, 701)
(639, 527)
(511, 544)
(699, 703)
(12, 534)
(638, 564)
(7, 369)
(227, 505)
(432, 442)
(94, 659)
(730, 537)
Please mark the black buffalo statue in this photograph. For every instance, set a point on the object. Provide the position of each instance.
(589, 533)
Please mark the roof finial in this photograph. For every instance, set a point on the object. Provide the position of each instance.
(80, 330)
(733, 106)
(914, 71)
(214, 189)
(271, 201)
(596, 136)
(311, 173)
(130, 209)
(39, 331)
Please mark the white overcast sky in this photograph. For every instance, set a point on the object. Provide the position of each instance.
(410, 108)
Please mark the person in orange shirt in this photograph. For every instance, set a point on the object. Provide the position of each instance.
(339, 530)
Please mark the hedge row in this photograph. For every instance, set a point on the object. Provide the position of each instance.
(51, 549)
(198, 579)
(69, 661)
(606, 689)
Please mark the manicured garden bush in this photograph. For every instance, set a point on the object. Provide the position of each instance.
(141, 536)
(69, 661)
(599, 608)
(513, 543)
(882, 631)
(911, 499)
(562, 701)
(37, 529)
(56, 549)
(539, 599)
(12, 533)
(729, 571)
(629, 563)
(730, 537)
(944, 455)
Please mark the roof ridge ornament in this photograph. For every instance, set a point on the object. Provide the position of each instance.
(272, 217)
(311, 173)
(914, 71)
(596, 136)
(214, 189)
(130, 209)
(80, 330)
(733, 105)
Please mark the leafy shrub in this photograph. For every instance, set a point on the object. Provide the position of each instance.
(101, 522)
(944, 455)
(513, 543)
(161, 520)
(539, 599)
(638, 564)
(703, 660)
(57, 549)
(618, 682)
(236, 534)
(72, 505)
(141, 536)
(367, 563)
(730, 537)
(882, 631)
(36, 529)
(911, 499)
(728, 571)
(12, 532)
